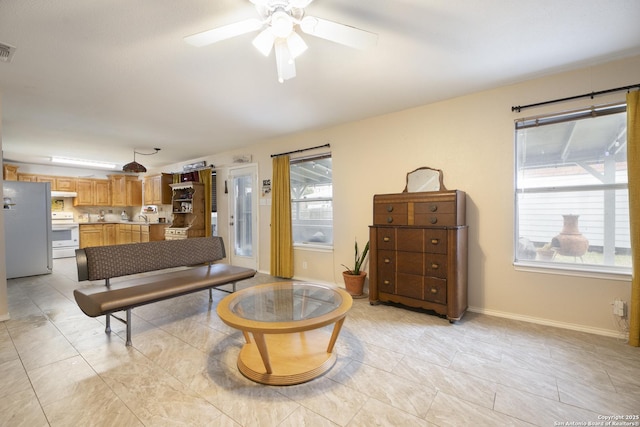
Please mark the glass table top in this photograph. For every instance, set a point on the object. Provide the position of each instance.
(286, 302)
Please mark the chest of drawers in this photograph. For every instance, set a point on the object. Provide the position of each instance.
(418, 257)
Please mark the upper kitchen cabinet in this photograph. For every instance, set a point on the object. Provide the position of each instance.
(65, 183)
(126, 190)
(58, 183)
(93, 192)
(9, 172)
(157, 190)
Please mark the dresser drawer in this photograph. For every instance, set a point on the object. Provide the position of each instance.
(410, 262)
(435, 265)
(410, 285)
(435, 241)
(435, 290)
(387, 282)
(386, 238)
(410, 239)
(390, 213)
(386, 261)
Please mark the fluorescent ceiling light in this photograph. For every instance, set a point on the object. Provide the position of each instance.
(80, 162)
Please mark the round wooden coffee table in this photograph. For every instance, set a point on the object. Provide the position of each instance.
(286, 319)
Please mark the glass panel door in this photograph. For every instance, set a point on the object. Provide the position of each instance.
(243, 216)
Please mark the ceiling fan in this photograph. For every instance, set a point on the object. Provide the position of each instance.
(278, 22)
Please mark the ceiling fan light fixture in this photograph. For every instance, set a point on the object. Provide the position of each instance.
(264, 41)
(296, 45)
(284, 62)
(281, 24)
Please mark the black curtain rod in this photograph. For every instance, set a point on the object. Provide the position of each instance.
(300, 151)
(519, 108)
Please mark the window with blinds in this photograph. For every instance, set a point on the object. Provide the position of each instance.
(571, 197)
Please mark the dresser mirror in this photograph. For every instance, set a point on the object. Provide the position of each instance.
(424, 179)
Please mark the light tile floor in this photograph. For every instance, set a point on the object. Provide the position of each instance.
(396, 367)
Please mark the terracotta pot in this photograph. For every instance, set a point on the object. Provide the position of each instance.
(354, 283)
(570, 241)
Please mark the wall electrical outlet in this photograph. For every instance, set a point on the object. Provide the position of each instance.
(619, 308)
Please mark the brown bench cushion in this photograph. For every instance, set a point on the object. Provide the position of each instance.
(104, 262)
(96, 300)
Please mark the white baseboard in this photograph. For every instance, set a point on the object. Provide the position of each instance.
(540, 321)
(4, 317)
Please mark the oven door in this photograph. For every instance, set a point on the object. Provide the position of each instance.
(65, 236)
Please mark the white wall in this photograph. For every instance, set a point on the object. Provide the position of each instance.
(471, 139)
(4, 303)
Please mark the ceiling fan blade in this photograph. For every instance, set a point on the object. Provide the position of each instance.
(338, 33)
(284, 61)
(224, 32)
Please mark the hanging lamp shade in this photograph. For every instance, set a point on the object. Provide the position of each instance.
(136, 167)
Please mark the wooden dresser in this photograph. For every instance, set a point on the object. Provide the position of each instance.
(418, 255)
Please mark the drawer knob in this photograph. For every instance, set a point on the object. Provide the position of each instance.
(386, 282)
(433, 220)
(387, 261)
(435, 241)
(389, 208)
(434, 290)
(389, 219)
(433, 207)
(386, 239)
(435, 266)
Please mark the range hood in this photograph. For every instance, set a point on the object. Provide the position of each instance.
(64, 194)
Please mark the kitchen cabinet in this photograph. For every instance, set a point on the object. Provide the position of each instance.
(157, 190)
(419, 250)
(118, 190)
(97, 235)
(65, 183)
(92, 192)
(109, 234)
(45, 178)
(9, 172)
(126, 190)
(134, 233)
(27, 177)
(91, 235)
(123, 232)
(58, 183)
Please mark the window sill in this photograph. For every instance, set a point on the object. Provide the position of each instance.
(312, 247)
(597, 272)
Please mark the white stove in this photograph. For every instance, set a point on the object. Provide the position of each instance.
(65, 234)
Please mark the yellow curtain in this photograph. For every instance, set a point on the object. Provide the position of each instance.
(205, 178)
(281, 234)
(633, 168)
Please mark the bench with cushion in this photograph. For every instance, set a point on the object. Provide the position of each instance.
(108, 262)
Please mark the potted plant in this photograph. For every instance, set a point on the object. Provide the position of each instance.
(354, 277)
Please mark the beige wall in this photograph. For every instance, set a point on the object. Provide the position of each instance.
(471, 139)
(4, 303)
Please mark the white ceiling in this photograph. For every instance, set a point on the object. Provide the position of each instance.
(97, 79)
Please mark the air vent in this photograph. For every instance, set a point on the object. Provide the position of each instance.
(6, 52)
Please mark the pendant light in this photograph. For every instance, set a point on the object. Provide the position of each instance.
(136, 167)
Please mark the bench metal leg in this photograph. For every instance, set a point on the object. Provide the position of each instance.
(107, 329)
(210, 295)
(128, 327)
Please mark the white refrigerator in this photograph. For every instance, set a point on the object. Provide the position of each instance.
(27, 228)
